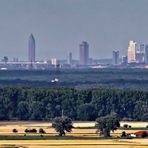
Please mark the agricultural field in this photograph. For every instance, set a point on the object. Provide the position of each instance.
(76, 144)
(83, 136)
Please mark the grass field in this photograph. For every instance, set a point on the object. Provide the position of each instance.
(81, 137)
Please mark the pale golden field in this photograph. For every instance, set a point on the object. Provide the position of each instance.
(6, 129)
(136, 143)
(92, 124)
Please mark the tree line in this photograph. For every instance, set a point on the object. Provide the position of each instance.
(18, 103)
(76, 78)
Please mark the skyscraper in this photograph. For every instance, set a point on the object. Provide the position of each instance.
(146, 54)
(54, 61)
(115, 58)
(132, 52)
(124, 60)
(31, 48)
(84, 53)
(69, 60)
(140, 53)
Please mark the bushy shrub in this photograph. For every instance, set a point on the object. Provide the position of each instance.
(42, 131)
(33, 131)
(125, 125)
(15, 130)
(123, 134)
(30, 131)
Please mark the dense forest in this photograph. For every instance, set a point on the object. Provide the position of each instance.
(77, 78)
(18, 103)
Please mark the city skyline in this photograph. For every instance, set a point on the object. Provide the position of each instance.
(136, 53)
(59, 26)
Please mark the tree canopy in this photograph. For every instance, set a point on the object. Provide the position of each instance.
(21, 103)
(62, 125)
(106, 124)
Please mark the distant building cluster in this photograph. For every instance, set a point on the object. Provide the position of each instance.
(83, 50)
(137, 56)
(137, 53)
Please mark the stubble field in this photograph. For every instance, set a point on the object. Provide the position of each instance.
(83, 136)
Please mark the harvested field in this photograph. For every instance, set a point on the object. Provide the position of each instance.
(137, 143)
(135, 124)
(93, 142)
(6, 127)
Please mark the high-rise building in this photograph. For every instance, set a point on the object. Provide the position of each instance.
(54, 61)
(140, 53)
(132, 52)
(84, 53)
(69, 60)
(146, 54)
(124, 59)
(115, 58)
(31, 48)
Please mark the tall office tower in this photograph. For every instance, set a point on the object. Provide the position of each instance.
(132, 52)
(54, 61)
(31, 49)
(84, 53)
(124, 59)
(69, 60)
(140, 53)
(146, 54)
(115, 58)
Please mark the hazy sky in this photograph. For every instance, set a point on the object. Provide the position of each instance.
(60, 25)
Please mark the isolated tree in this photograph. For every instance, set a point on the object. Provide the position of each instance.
(62, 125)
(107, 124)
